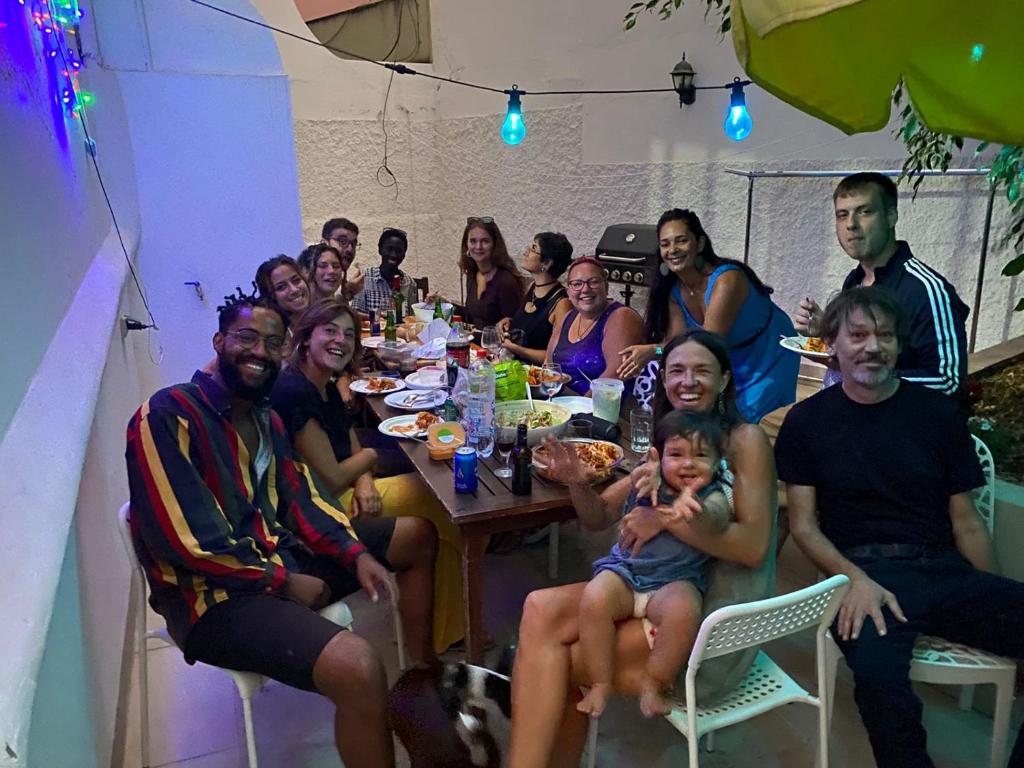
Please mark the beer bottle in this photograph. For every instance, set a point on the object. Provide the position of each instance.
(438, 310)
(522, 464)
(390, 329)
(397, 296)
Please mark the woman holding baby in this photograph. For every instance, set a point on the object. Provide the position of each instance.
(677, 500)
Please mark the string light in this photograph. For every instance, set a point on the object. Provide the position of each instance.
(737, 120)
(57, 22)
(513, 130)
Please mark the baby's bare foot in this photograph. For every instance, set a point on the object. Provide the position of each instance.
(596, 700)
(652, 703)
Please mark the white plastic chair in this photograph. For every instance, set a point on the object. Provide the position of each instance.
(248, 683)
(943, 662)
(766, 686)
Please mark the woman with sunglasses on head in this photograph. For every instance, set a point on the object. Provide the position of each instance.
(526, 333)
(324, 347)
(326, 270)
(588, 339)
(696, 288)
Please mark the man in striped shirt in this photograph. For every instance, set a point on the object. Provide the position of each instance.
(935, 354)
(242, 544)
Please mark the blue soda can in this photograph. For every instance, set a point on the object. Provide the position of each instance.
(374, 323)
(465, 469)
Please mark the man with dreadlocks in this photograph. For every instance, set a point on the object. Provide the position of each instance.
(241, 543)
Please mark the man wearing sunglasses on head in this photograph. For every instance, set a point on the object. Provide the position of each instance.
(392, 246)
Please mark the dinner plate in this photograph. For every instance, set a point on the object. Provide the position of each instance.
(362, 386)
(414, 382)
(796, 344)
(416, 399)
(575, 403)
(372, 342)
(539, 454)
(387, 426)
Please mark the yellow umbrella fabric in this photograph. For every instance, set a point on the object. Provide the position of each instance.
(839, 60)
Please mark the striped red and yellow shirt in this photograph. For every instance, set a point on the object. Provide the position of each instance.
(206, 521)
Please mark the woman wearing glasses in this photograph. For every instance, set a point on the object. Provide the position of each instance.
(696, 288)
(588, 340)
(526, 333)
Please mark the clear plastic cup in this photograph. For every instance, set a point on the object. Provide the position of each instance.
(607, 395)
(641, 425)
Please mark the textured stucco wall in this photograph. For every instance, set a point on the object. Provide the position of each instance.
(448, 169)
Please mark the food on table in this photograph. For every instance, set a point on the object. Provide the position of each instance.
(423, 420)
(377, 384)
(814, 344)
(598, 455)
(535, 375)
(532, 419)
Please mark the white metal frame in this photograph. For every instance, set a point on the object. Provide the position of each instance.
(248, 683)
(766, 686)
(942, 662)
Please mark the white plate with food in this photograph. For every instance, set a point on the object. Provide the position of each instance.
(600, 455)
(534, 374)
(372, 342)
(411, 425)
(416, 399)
(377, 385)
(545, 418)
(809, 346)
(574, 403)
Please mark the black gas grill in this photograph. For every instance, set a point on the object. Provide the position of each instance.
(629, 254)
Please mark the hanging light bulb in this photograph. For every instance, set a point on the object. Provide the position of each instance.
(737, 121)
(513, 130)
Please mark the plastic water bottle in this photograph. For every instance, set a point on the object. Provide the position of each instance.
(478, 415)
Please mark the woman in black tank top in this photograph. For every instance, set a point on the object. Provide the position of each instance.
(527, 332)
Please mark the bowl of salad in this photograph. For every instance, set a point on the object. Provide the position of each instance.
(543, 420)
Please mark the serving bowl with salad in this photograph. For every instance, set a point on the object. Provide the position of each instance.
(542, 420)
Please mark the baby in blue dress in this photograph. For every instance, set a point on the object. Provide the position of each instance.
(662, 583)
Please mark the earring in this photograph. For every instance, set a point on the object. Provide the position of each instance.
(663, 268)
(720, 407)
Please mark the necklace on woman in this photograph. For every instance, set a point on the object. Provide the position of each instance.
(530, 306)
(579, 326)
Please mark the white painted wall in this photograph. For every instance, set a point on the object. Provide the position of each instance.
(195, 142)
(591, 161)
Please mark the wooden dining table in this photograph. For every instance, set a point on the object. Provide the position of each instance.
(492, 509)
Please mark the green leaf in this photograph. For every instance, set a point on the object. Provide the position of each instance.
(678, 3)
(1014, 267)
(726, 26)
(630, 23)
(1020, 306)
(981, 148)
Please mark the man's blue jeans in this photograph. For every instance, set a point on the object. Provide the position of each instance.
(941, 594)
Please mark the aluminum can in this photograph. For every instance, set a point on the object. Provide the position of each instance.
(465, 469)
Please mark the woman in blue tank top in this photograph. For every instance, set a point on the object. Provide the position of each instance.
(697, 288)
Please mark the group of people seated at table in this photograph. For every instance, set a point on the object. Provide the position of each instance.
(251, 508)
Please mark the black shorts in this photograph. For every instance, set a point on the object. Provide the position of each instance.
(274, 635)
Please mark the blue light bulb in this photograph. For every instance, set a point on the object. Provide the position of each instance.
(513, 130)
(737, 120)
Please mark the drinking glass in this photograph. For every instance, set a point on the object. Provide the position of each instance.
(491, 340)
(641, 424)
(607, 394)
(551, 379)
(505, 441)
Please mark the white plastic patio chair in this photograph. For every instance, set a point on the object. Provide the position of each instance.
(248, 683)
(766, 686)
(943, 662)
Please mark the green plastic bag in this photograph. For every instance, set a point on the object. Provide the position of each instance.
(509, 381)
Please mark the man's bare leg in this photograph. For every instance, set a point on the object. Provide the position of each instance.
(412, 552)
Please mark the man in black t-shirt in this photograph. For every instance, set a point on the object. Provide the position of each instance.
(879, 473)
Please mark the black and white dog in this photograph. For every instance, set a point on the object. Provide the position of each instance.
(478, 702)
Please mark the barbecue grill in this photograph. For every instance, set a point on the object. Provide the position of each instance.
(629, 255)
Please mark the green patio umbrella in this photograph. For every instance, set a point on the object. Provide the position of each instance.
(839, 60)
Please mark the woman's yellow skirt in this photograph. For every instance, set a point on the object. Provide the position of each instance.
(407, 496)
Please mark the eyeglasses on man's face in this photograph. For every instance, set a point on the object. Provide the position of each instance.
(247, 338)
(344, 242)
(592, 283)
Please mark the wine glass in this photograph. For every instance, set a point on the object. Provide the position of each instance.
(551, 379)
(490, 340)
(505, 441)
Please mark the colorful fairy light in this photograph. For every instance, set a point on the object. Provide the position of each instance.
(57, 22)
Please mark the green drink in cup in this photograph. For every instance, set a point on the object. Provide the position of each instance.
(607, 394)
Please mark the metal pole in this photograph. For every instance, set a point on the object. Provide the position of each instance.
(981, 267)
(750, 205)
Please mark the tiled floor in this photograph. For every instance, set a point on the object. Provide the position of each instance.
(196, 719)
